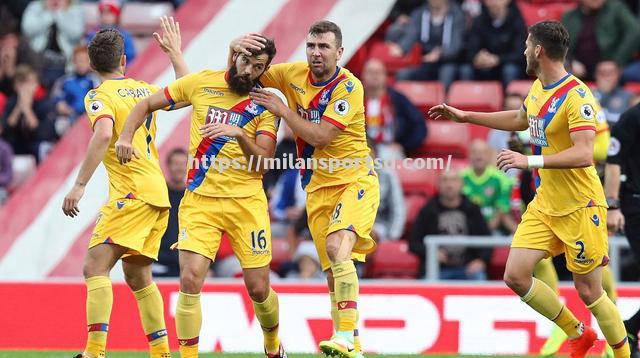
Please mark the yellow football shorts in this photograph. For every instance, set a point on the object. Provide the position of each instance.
(351, 207)
(203, 219)
(133, 224)
(581, 235)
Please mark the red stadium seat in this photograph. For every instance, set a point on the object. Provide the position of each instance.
(476, 95)
(633, 87)
(380, 51)
(520, 87)
(279, 253)
(533, 13)
(498, 262)
(444, 138)
(416, 181)
(392, 259)
(423, 95)
(414, 203)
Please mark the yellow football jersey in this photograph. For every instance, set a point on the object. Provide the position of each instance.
(339, 101)
(218, 168)
(141, 178)
(553, 112)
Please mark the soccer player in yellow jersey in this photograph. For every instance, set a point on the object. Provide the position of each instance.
(130, 226)
(568, 213)
(326, 114)
(229, 134)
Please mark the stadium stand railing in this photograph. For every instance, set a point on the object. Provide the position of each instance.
(434, 242)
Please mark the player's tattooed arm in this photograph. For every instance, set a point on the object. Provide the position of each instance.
(98, 145)
(318, 135)
(171, 43)
(137, 116)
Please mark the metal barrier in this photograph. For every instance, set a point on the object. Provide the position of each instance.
(434, 242)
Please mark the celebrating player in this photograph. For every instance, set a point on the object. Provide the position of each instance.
(130, 226)
(568, 213)
(327, 116)
(229, 134)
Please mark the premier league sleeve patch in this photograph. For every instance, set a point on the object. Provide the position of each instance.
(341, 107)
(587, 112)
(95, 106)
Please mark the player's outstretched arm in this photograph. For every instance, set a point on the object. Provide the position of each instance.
(171, 43)
(137, 116)
(503, 120)
(317, 135)
(102, 132)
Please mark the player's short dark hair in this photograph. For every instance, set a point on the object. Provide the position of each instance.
(269, 49)
(324, 26)
(105, 50)
(176, 151)
(553, 37)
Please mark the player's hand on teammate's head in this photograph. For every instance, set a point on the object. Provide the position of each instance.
(215, 130)
(170, 41)
(269, 100)
(615, 220)
(71, 200)
(247, 42)
(444, 111)
(508, 159)
(124, 152)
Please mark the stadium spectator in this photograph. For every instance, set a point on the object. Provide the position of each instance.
(497, 139)
(392, 212)
(305, 264)
(11, 11)
(600, 30)
(438, 27)
(285, 149)
(53, 28)
(29, 118)
(110, 11)
(14, 51)
(451, 213)
(489, 188)
(393, 122)
(400, 18)
(69, 91)
(612, 97)
(287, 202)
(167, 264)
(495, 44)
(6, 168)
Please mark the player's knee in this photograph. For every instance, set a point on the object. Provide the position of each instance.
(516, 282)
(137, 281)
(333, 247)
(90, 270)
(588, 292)
(258, 291)
(190, 280)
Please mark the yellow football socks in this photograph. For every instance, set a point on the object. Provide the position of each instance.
(334, 318)
(609, 284)
(99, 303)
(542, 299)
(346, 291)
(611, 325)
(151, 310)
(188, 323)
(546, 272)
(268, 315)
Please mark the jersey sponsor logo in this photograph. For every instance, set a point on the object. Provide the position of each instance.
(297, 89)
(224, 116)
(536, 131)
(587, 112)
(134, 92)
(581, 91)
(212, 91)
(95, 106)
(349, 85)
(312, 115)
(341, 107)
(614, 146)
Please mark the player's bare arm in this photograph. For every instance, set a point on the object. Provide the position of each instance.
(98, 145)
(124, 146)
(317, 135)
(579, 155)
(615, 219)
(503, 120)
(262, 147)
(244, 43)
(171, 43)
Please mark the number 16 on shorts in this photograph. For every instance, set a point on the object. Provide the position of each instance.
(259, 242)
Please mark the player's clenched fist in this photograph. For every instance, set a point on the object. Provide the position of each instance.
(124, 151)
